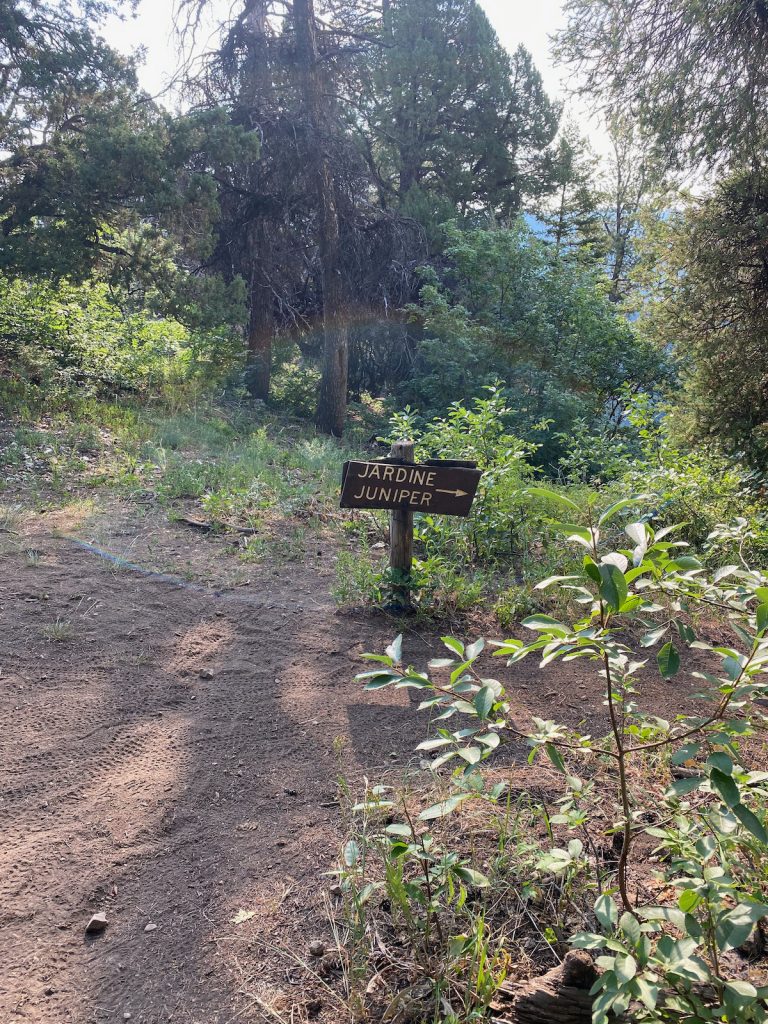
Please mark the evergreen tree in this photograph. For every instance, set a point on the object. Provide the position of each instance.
(97, 179)
(449, 121)
(694, 75)
(710, 286)
(634, 184)
(571, 213)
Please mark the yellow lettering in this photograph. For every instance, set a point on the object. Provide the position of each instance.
(426, 497)
(401, 475)
(389, 472)
(430, 479)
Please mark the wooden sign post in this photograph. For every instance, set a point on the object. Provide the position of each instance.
(440, 487)
(401, 536)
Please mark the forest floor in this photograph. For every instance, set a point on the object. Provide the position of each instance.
(174, 724)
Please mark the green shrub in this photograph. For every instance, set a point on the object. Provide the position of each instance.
(76, 339)
(659, 959)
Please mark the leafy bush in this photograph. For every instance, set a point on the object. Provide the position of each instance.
(477, 433)
(58, 340)
(294, 386)
(659, 961)
(510, 308)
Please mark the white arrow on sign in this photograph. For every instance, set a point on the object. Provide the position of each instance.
(456, 494)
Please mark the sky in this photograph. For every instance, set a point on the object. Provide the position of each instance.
(530, 22)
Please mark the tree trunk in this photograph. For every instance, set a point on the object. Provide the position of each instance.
(260, 330)
(332, 405)
(561, 996)
(256, 93)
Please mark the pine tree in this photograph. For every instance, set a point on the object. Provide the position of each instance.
(692, 75)
(571, 214)
(96, 178)
(449, 120)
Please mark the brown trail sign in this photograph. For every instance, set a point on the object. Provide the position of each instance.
(442, 487)
(446, 490)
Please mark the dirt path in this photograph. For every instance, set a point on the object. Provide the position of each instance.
(135, 784)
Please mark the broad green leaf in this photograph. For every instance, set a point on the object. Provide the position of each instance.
(630, 927)
(734, 927)
(444, 807)
(671, 914)
(618, 506)
(625, 968)
(545, 622)
(667, 530)
(687, 635)
(544, 492)
(555, 757)
(434, 744)
(721, 760)
(724, 571)
(739, 995)
(580, 533)
(686, 563)
(398, 830)
(591, 569)
(411, 682)
(484, 701)
(474, 650)
(471, 876)
(725, 786)
(381, 681)
(751, 822)
(688, 900)
(686, 753)
(647, 993)
(454, 645)
(668, 660)
(587, 940)
(395, 649)
(637, 533)
(652, 637)
(553, 579)
(683, 786)
(606, 911)
(613, 586)
(383, 658)
(762, 617)
(616, 558)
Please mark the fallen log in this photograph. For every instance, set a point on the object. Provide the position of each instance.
(561, 996)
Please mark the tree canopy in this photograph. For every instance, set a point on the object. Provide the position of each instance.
(695, 75)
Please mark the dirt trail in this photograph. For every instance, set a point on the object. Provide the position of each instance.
(135, 785)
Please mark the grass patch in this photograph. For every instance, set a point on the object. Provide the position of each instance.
(59, 631)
